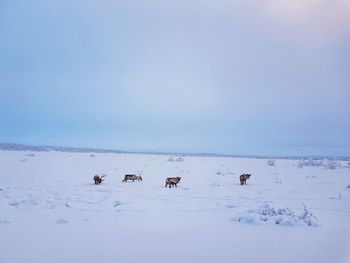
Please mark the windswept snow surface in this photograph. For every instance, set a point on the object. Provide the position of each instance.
(50, 210)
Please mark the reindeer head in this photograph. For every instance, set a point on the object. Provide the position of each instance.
(178, 178)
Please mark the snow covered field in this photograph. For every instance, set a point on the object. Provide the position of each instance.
(50, 210)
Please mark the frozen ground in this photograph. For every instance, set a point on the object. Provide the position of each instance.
(50, 210)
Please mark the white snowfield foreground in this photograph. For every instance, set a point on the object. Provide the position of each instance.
(51, 210)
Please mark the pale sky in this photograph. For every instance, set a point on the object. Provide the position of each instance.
(236, 77)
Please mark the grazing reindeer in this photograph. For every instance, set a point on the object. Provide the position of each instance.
(98, 179)
(171, 181)
(132, 177)
(243, 178)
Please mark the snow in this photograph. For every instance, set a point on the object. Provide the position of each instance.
(51, 211)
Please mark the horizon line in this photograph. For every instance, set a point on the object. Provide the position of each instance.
(45, 148)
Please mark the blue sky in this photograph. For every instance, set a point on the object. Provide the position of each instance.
(236, 77)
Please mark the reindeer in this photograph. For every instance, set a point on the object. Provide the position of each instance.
(171, 181)
(132, 177)
(243, 178)
(99, 179)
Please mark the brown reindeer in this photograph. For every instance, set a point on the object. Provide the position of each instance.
(171, 181)
(99, 179)
(243, 178)
(132, 177)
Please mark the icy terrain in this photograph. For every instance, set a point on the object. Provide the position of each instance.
(289, 211)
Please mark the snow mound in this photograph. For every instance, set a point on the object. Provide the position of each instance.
(266, 214)
(61, 221)
(23, 203)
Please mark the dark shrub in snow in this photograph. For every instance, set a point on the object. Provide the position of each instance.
(271, 162)
(175, 159)
(327, 163)
(309, 162)
(266, 214)
(332, 164)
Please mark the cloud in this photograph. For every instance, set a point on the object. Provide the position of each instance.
(316, 19)
(299, 20)
(208, 74)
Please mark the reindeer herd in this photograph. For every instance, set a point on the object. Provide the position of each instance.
(169, 182)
